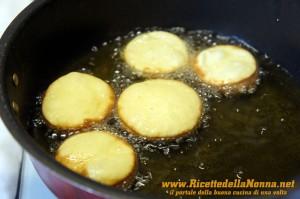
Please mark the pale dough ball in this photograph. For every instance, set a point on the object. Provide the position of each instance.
(156, 52)
(226, 65)
(160, 108)
(100, 156)
(77, 99)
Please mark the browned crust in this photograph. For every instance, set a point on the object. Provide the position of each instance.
(185, 133)
(87, 122)
(234, 88)
(127, 181)
(122, 183)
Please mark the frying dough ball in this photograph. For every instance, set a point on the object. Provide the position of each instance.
(159, 109)
(156, 52)
(100, 156)
(77, 99)
(227, 65)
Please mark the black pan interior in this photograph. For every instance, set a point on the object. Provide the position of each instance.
(61, 30)
(52, 36)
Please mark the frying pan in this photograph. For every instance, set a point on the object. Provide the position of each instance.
(49, 33)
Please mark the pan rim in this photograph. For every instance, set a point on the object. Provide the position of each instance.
(18, 132)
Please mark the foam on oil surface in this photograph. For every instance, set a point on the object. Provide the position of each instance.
(105, 60)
